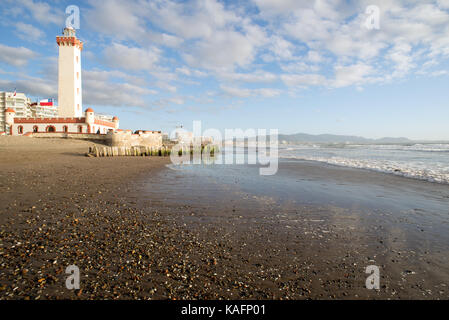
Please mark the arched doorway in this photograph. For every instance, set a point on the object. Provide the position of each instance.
(51, 129)
(35, 129)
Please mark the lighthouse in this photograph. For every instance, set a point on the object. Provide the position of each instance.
(70, 102)
(71, 120)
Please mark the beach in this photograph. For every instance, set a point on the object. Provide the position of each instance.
(140, 228)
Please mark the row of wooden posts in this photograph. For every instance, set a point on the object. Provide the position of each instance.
(140, 151)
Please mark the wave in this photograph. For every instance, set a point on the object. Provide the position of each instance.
(414, 147)
(414, 171)
(390, 147)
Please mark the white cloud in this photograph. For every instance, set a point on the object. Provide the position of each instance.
(166, 86)
(126, 20)
(98, 89)
(353, 74)
(275, 7)
(42, 12)
(131, 58)
(169, 101)
(16, 56)
(400, 55)
(246, 93)
(32, 86)
(410, 34)
(224, 51)
(190, 72)
(29, 32)
(314, 56)
(429, 14)
(281, 49)
(236, 92)
(250, 77)
(191, 20)
(215, 37)
(267, 92)
(443, 4)
(300, 67)
(304, 80)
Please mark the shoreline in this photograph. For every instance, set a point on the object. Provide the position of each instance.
(139, 230)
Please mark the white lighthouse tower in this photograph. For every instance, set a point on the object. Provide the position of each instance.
(70, 102)
(71, 117)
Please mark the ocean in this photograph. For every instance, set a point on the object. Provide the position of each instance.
(428, 162)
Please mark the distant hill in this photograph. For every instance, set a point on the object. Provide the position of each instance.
(332, 138)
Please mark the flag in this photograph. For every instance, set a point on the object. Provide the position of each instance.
(15, 92)
(46, 102)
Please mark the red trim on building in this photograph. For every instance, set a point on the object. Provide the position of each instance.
(49, 120)
(69, 40)
(104, 123)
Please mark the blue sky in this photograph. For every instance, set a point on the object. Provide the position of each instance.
(298, 66)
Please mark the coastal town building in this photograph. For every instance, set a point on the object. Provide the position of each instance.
(40, 110)
(24, 108)
(86, 124)
(16, 101)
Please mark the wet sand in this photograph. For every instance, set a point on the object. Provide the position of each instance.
(137, 229)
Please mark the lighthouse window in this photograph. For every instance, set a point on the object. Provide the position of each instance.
(78, 90)
(76, 59)
(77, 75)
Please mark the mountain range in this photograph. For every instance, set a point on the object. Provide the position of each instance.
(333, 138)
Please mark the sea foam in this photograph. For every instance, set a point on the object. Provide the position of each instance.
(418, 161)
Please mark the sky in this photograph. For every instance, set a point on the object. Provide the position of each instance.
(323, 66)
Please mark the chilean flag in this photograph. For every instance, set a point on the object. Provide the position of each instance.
(46, 102)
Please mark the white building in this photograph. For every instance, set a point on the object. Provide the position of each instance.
(71, 119)
(18, 102)
(39, 111)
(23, 108)
(87, 124)
(69, 74)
